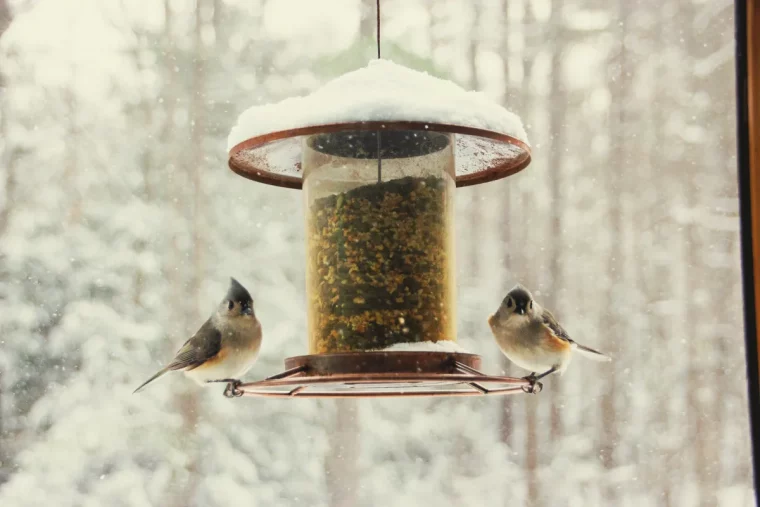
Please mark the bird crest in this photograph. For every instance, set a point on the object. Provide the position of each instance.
(520, 293)
(238, 293)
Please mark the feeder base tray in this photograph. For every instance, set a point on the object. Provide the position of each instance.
(383, 374)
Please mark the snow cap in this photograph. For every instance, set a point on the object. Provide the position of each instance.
(381, 91)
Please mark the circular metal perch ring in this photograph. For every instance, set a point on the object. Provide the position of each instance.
(481, 155)
(383, 374)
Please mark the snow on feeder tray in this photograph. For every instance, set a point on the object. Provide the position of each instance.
(378, 153)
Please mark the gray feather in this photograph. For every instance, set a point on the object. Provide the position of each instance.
(238, 293)
(154, 377)
(552, 323)
(591, 353)
(203, 345)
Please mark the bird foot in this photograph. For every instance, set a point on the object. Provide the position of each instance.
(232, 390)
(535, 386)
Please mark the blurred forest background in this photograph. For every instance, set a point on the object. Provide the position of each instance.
(120, 225)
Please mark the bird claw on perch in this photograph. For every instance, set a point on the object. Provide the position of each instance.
(231, 391)
(535, 386)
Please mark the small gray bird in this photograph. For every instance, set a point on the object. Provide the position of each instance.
(530, 337)
(225, 347)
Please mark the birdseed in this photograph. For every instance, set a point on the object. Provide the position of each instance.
(380, 266)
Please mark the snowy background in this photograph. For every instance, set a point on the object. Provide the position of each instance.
(120, 225)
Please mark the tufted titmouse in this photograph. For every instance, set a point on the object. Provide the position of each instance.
(226, 345)
(530, 337)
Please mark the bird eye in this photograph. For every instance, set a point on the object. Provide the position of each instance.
(509, 302)
(230, 305)
(530, 305)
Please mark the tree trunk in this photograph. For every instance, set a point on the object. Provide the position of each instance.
(4, 453)
(368, 19)
(523, 267)
(5, 161)
(659, 281)
(187, 279)
(557, 113)
(700, 395)
(341, 468)
(611, 321)
(474, 242)
(341, 461)
(507, 231)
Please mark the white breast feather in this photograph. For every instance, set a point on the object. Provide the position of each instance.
(524, 345)
(236, 364)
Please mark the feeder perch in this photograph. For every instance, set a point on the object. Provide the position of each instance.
(378, 153)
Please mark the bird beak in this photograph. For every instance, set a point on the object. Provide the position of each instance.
(247, 310)
(521, 311)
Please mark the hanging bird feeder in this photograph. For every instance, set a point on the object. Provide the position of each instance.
(378, 153)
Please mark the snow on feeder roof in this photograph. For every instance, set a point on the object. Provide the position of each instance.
(378, 153)
(490, 141)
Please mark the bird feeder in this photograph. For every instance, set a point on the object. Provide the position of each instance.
(378, 154)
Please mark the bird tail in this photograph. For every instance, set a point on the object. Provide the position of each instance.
(154, 377)
(591, 353)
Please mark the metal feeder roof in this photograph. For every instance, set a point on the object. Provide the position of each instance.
(265, 144)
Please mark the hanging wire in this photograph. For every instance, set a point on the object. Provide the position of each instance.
(378, 28)
(379, 159)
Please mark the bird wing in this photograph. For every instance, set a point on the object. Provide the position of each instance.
(553, 325)
(202, 346)
(560, 333)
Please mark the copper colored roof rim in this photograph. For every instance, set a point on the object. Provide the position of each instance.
(501, 168)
